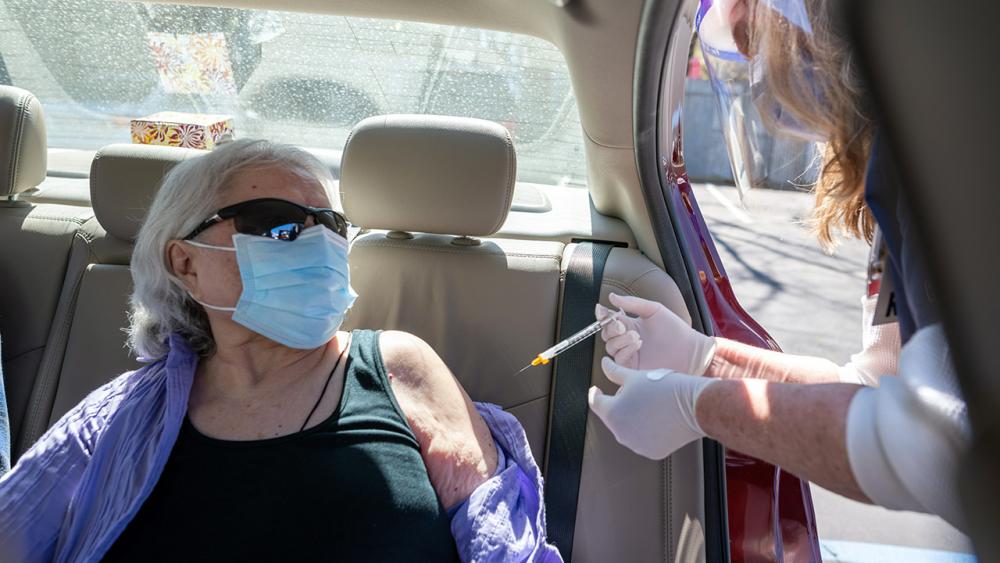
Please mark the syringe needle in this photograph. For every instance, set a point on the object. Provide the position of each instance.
(563, 345)
(522, 370)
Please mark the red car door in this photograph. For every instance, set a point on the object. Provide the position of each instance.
(770, 511)
(754, 511)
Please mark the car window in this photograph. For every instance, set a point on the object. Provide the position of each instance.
(289, 77)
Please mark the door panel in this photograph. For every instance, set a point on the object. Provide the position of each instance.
(771, 515)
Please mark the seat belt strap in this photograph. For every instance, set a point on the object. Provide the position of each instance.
(572, 376)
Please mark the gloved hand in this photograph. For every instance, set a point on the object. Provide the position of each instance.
(652, 413)
(656, 339)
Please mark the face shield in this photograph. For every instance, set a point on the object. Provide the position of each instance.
(769, 142)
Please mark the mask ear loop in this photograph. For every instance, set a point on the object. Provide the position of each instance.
(210, 246)
(213, 307)
(176, 280)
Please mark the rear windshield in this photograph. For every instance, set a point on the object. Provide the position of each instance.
(288, 77)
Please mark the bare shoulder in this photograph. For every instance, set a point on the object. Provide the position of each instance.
(455, 442)
(420, 378)
(410, 360)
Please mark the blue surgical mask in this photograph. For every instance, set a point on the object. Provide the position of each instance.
(294, 292)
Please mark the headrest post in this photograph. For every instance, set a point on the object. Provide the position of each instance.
(466, 241)
(399, 235)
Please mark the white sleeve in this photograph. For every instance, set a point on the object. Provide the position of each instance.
(905, 438)
(879, 349)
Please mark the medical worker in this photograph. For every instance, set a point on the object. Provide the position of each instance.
(890, 426)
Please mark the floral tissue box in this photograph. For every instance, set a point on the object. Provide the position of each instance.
(175, 129)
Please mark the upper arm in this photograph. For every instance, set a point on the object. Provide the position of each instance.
(905, 439)
(455, 442)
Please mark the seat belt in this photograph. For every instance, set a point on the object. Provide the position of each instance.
(572, 375)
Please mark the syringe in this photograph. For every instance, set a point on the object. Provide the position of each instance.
(588, 331)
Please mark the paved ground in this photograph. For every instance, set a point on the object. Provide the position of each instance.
(810, 303)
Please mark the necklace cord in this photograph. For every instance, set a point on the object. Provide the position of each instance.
(323, 392)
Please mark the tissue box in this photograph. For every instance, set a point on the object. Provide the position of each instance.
(190, 130)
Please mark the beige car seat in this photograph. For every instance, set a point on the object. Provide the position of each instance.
(123, 181)
(34, 260)
(432, 190)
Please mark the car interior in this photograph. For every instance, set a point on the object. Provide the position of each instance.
(452, 248)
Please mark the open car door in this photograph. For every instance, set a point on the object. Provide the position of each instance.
(783, 526)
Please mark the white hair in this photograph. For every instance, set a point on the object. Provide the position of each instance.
(190, 193)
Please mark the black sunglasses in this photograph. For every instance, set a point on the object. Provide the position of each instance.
(273, 218)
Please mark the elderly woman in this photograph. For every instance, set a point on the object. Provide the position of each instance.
(261, 432)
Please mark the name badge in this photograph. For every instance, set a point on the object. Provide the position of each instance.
(885, 305)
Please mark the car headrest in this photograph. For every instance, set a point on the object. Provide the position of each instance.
(23, 151)
(124, 180)
(428, 173)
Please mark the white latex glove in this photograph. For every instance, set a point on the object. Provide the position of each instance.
(656, 339)
(652, 413)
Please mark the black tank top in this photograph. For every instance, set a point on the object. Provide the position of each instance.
(352, 488)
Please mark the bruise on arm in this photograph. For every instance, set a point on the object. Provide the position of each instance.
(455, 442)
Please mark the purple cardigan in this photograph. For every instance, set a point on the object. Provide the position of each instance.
(72, 494)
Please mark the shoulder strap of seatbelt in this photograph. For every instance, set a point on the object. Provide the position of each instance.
(572, 375)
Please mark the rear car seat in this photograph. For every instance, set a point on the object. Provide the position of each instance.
(486, 304)
(431, 189)
(34, 260)
(123, 181)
